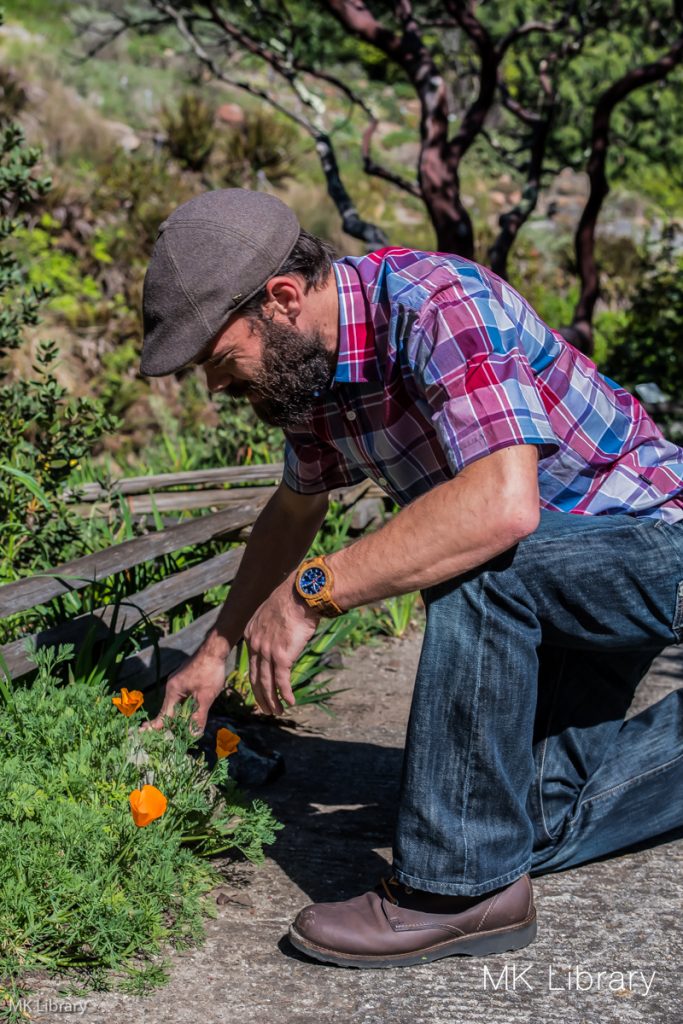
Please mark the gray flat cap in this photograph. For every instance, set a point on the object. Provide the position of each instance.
(210, 256)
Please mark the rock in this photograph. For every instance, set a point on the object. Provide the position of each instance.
(366, 512)
(230, 113)
(253, 763)
(123, 135)
(333, 658)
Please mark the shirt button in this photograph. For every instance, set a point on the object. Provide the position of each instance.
(350, 415)
(382, 481)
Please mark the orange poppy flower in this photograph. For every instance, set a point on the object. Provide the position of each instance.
(146, 805)
(226, 742)
(129, 701)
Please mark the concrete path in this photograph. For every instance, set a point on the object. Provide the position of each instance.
(337, 797)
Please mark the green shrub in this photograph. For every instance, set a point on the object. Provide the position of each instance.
(648, 345)
(190, 131)
(263, 144)
(43, 431)
(84, 886)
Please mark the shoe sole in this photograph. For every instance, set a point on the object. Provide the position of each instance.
(504, 940)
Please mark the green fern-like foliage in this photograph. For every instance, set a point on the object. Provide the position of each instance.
(88, 888)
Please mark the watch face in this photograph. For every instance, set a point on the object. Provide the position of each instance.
(312, 580)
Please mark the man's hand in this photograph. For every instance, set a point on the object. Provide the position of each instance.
(201, 677)
(276, 635)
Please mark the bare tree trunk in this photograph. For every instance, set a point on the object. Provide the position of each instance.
(439, 160)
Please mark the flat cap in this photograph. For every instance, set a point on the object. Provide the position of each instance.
(210, 256)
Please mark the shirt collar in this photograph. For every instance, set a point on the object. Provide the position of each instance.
(357, 360)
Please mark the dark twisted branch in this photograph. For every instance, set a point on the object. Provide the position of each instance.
(438, 183)
(375, 169)
(539, 124)
(580, 333)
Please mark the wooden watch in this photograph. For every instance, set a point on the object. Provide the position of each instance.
(314, 582)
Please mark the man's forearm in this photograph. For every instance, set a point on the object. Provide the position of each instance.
(448, 531)
(276, 545)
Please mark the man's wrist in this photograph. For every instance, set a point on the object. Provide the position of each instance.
(215, 645)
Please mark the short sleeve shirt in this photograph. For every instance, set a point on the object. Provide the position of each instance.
(441, 363)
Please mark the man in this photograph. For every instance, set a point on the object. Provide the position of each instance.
(541, 518)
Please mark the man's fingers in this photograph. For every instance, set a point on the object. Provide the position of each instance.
(255, 685)
(259, 674)
(199, 717)
(171, 698)
(282, 682)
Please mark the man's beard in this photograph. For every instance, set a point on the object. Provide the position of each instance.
(296, 369)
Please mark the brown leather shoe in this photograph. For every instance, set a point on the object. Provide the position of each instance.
(395, 926)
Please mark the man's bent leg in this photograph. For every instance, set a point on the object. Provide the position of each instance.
(462, 826)
(633, 796)
(596, 584)
(583, 698)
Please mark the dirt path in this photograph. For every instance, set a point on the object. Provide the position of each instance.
(337, 800)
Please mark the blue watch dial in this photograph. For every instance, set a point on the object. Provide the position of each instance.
(312, 580)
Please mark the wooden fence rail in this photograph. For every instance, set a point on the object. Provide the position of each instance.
(245, 504)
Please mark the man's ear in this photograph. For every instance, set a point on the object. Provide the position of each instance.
(285, 296)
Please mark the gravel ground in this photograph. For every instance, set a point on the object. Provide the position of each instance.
(337, 797)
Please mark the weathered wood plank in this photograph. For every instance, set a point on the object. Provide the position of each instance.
(34, 590)
(151, 601)
(72, 632)
(188, 478)
(178, 501)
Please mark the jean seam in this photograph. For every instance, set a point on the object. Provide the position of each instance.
(545, 747)
(468, 769)
(623, 785)
(540, 538)
(677, 624)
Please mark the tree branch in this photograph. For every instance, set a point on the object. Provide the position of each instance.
(375, 169)
(438, 179)
(581, 330)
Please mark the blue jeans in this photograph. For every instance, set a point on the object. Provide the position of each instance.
(517, 754)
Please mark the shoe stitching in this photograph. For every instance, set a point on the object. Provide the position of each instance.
(419, 926)
(368, 958)
(488, 910)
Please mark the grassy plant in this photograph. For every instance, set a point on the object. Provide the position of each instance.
(397, 613)
(87, 888)
(190, 130)
(264, 144)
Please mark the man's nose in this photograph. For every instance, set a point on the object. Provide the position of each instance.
(217, 381)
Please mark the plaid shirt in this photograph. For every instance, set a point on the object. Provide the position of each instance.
(440, 363)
